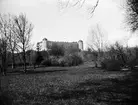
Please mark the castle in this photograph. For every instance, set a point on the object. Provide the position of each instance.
(45, 45)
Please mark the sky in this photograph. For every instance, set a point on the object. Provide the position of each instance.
(72, 24)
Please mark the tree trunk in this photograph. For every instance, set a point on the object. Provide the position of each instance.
(4, 64)
(1, 68)
(24, 60)
(13, 60)
(34, 66)
(96, 65)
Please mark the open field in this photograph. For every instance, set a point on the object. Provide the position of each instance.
(81, 85)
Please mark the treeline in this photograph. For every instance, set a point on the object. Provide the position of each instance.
(15, 36)
(116, 57)
(56, 56)
(15, 47)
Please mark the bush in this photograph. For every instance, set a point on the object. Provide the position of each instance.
(62, 61)
(110, 65)
(82, 55)
(54, 61)
(44, 54)
(70, 60)
(65, 61)
(46, 62)
(114, 65)
(38, 59)
(56, 50)
(103, 64)
(71, 50)
(51, 61)
(76, 60)
(132, 63)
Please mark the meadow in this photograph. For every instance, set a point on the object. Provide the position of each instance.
(78, 85)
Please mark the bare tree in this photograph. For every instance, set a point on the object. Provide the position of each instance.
(132, 14)
(3, 42)
(96, 42)
(120, 52)
(38, 47)
(23, 28)
(79, 3)
(12, 38)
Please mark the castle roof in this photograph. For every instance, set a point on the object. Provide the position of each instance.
(45, 39)
(80, 41)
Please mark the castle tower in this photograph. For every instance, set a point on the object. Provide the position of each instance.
(80, 43)
(45, 44)
(38, 46)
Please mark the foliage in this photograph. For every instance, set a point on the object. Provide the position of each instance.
(56, 50)
(96, 42)
(87, 55)
(132, 14)
(132, 63)
(124, 55)
(82, 55)
(70, 60)
(46, 62)
(110, 65)
(76, 59)
(4, 33)
(62, 61)
(45, 54)
(54, 61)
(71, 50)
(117, 52)
(133, 59)
(15, 34)
(35, 58)
(115, 57)
(39, 58)
(23, 30)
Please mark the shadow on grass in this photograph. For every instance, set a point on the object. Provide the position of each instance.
(111, 91)
(34, 72)
(71, 94)
(42, 71)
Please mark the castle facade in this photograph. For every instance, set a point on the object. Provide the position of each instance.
(46, 45)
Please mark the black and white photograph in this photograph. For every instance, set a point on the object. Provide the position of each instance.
(68, 52)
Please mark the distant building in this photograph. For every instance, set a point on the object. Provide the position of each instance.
(45, 45)
(80, 44)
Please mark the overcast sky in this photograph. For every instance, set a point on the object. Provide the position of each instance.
(70, 24)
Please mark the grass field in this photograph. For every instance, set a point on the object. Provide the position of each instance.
(81, 85)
